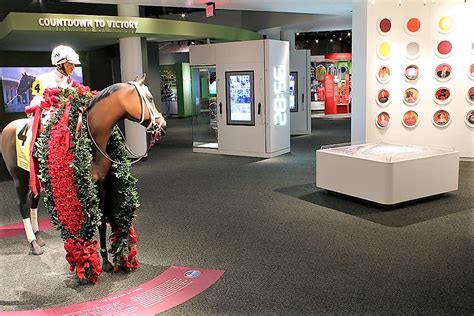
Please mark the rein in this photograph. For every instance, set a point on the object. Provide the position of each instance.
(152, 128)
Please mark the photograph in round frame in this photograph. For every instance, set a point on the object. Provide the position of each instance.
(412, 25)
(445, 24)
(412, 72)
(383, 97)
(383, 120)
(413, 50)
(384, 50)
(383, 74)
(444, 49)
(411, 96)
(443, 72)
(384, 26)
(410, 119)
(470, 72)
(441, 118)
(469, 118)
(470, 95)
(442, 95)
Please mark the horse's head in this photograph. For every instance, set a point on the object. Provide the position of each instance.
(153, 120)
(25, 83)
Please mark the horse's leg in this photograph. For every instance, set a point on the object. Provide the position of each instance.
(21, 181)
(33, 201)
(106, 265)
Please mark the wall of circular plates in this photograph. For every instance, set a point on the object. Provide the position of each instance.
(441, 118)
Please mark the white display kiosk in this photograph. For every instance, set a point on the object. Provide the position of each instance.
(387, 173)
(249, 113)
(300, 105)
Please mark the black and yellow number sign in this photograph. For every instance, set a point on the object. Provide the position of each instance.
(37, 88)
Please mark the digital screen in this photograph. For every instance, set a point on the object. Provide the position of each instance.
(17, 81)
(213, 88)
(293, 91)
(240, 98)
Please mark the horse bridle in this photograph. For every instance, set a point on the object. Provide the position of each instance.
(153, 128)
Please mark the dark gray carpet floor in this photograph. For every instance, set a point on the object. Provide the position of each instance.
(286, 246)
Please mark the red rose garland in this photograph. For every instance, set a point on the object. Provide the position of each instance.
(64, 152)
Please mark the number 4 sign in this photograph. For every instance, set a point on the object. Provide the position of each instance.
(37, 88)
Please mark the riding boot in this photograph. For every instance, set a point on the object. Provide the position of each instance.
(35, 248)
(39, 240)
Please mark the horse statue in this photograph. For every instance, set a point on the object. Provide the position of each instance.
(130, 100)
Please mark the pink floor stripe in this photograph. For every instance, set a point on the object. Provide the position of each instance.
(17, 228)
(174, 286)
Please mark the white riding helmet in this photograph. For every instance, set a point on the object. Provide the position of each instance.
(62, 54)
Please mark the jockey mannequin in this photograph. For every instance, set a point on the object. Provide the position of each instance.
(65, 59)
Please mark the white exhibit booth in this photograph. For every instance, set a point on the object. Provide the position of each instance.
(387, 173)
(241, 98)
(300, 105)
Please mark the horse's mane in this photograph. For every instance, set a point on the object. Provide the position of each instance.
(105, 93)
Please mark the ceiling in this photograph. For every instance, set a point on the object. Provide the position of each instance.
(339, 7)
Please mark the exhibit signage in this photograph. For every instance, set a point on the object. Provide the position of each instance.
(88, 23)
(280, 97)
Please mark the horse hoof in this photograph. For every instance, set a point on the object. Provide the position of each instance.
(39, 240)
(35, 248)
(107, 266)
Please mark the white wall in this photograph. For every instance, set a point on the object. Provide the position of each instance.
(457, 134)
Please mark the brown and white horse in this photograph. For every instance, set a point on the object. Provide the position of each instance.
(130, 100)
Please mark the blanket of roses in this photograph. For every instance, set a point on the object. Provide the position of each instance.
(63, 151)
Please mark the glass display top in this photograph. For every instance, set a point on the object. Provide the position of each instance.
(385, 152)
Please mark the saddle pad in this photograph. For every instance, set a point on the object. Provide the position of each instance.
(23, 140)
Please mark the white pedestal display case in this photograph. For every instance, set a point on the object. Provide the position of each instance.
(387, 173)
(252, 100)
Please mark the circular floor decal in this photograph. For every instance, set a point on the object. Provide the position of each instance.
(441, 118)
(383, 120)
(443, 72)
(413, 50)
(411, 96)
(383, 75)
(384, 51)
(444, 49)
(470, 118)
(442, 95)
(445, 24)
(383, 97)
(412, 72)
(410, 119)
(384, 26)
(412, 26)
